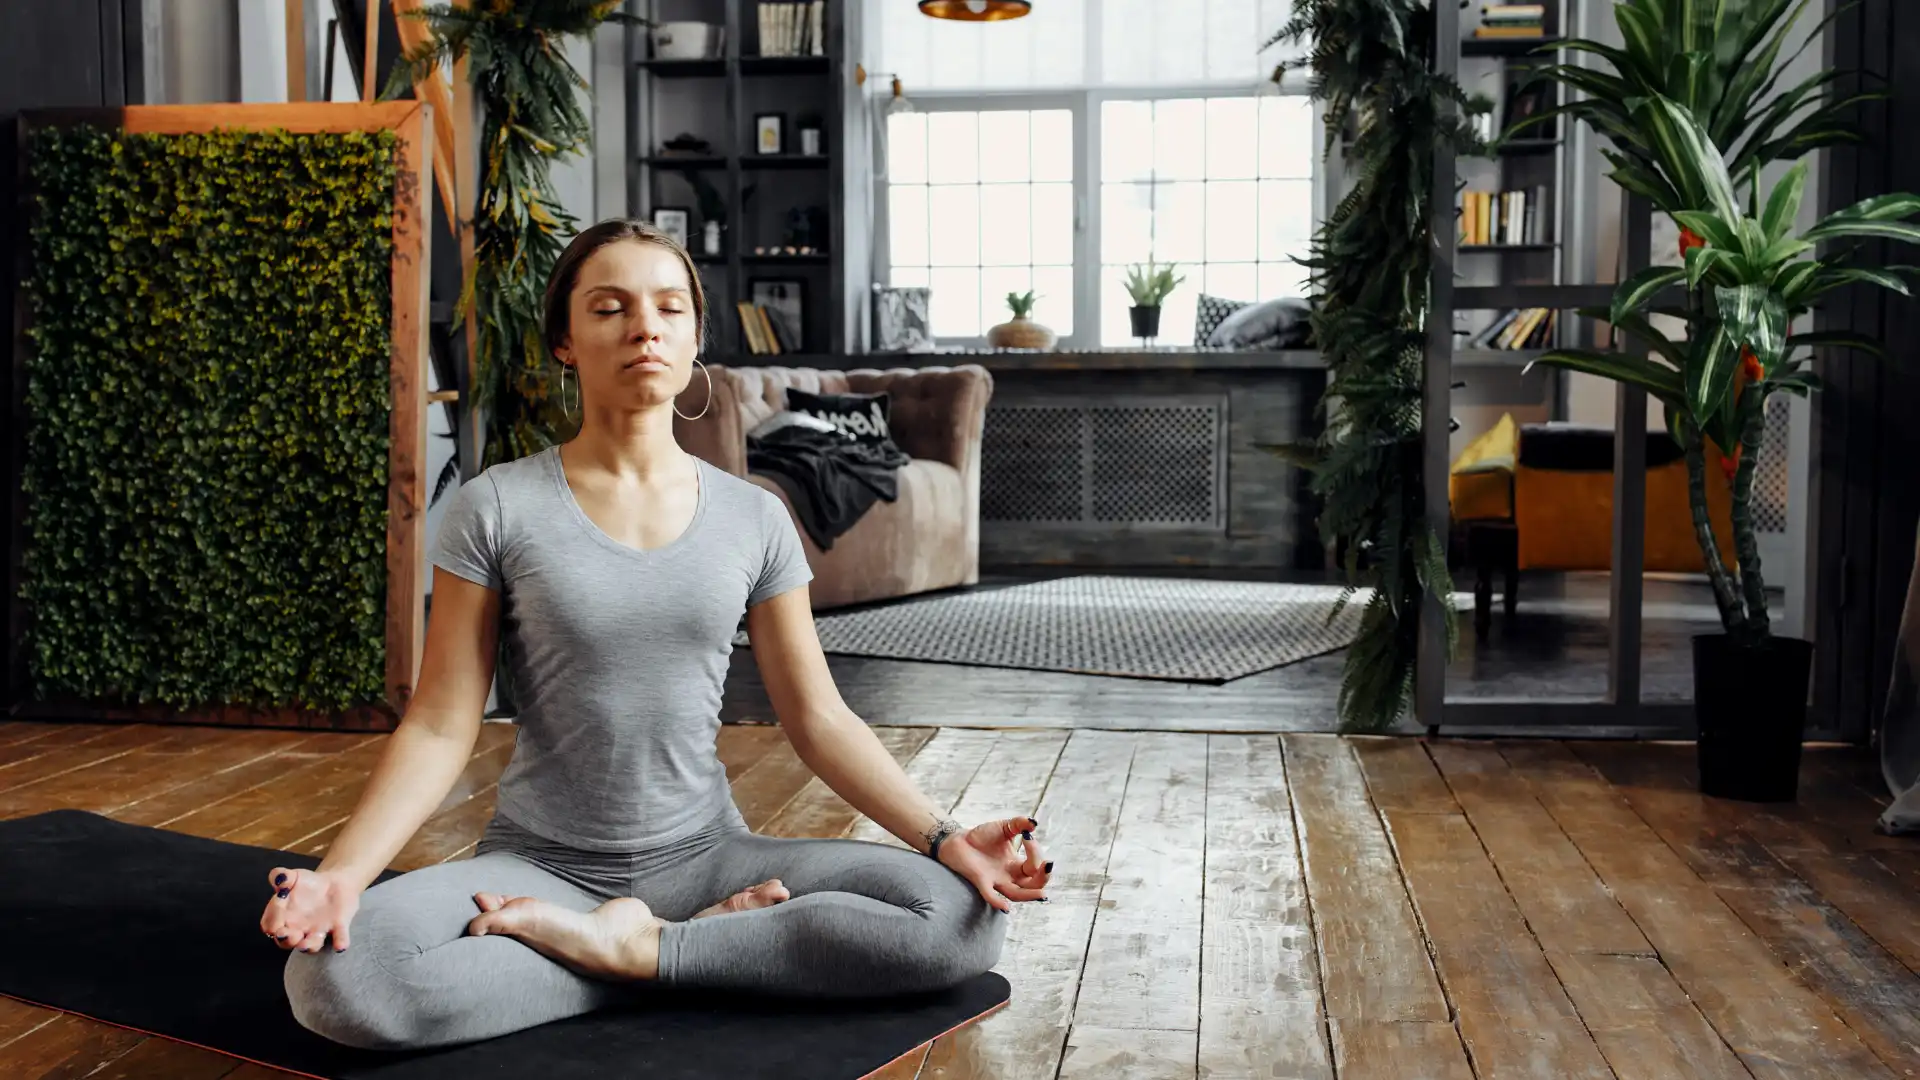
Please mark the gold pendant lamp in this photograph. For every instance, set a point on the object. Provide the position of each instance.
(975, 10)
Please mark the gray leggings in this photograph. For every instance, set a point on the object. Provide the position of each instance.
(864, 919)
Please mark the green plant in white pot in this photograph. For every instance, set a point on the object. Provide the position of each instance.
(1149, 287)
(1746, 277)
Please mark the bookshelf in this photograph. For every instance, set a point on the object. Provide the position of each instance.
(1511, 222)
(765, 200)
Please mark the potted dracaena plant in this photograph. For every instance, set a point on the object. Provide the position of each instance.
(1021, 332)
(1720, 64)
(1746, 278)
(1149, 287)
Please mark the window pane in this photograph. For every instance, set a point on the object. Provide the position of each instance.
(995, 283)
(1233, 139)
(907, 148)
(1231, 221)
(1288, 143)
(1233, 40)
(1126, 222)
(906, 276)
(1053, 224)
(907, 225)
(1126, 52)
(953, 145)
(1114, 302)
(1004, 143)
(955, 213)
(1282, 279)
(1054, 309)
(1286, 218)
(1179, 222)
(1126, 140)
(1177, 312)
(1005, 233)
(1180, 139)
(1233, 281)
(1052, 144)
(1179, 39)
(956, 302)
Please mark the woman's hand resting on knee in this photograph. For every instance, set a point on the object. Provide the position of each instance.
(1001, 859)
(307, 905)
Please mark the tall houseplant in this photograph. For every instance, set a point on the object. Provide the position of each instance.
(1746, 277)
(531, 116)
(1371, 268)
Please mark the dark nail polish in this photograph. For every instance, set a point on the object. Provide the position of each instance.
(1046, 900)
(1033, 823)
(1027, 834)
(1048, 868)
(281, 880)
(339, 948)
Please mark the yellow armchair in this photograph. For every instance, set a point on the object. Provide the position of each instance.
(1540, 497)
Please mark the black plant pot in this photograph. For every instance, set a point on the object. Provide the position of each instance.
(1751, 705)
(1146, 321)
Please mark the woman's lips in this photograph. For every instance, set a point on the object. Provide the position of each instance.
(647, 363)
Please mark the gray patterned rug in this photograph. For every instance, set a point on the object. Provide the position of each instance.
(1146, 628)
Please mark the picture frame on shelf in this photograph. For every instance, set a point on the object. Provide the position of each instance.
(675, 221)
(785, 301)
(769, 133)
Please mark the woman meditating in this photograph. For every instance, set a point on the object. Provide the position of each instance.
(617, 566)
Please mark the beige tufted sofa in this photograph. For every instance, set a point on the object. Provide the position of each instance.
(929, 538)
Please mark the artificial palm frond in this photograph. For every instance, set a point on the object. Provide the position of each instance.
(1371, 268)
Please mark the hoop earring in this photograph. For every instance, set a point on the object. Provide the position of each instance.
(703, 408)
(564, 368)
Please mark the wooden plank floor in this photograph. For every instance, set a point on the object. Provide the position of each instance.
(1231, 906)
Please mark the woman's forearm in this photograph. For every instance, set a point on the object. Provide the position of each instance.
(844, 753)
(414, 773)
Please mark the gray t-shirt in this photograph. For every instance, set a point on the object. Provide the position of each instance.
(617, 656)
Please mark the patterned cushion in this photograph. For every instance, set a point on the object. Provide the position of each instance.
(1209, 312)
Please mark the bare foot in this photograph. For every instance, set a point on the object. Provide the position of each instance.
(619, 940)
(764, 895)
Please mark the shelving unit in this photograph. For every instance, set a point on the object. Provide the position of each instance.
(1622, 705)
(718, 99)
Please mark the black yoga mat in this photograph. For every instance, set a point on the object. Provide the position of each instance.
(159, 931)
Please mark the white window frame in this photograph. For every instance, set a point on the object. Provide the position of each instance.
(1085, 107)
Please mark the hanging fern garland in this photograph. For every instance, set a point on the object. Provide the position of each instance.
(1371, 267)
(531, 116)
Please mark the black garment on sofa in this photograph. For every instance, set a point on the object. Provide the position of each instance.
(831, 479)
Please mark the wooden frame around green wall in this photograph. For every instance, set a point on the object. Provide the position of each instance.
(334, 569)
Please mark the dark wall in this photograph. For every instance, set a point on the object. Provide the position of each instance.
(1868, 452)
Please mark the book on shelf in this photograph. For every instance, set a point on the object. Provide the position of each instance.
(1489, 218)
(793, 29)
(1514, 31)
(1517, 328)
(765, 335)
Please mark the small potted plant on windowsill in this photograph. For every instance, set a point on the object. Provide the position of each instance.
(1149, 286)
(1021, 332)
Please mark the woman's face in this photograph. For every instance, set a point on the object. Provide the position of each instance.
(632, 333)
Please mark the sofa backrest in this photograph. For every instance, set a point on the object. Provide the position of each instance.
(934, 412)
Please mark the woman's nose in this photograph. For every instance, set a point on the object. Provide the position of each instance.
(649, 325)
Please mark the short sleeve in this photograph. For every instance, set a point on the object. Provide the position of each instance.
(783, 562)
(468, 540)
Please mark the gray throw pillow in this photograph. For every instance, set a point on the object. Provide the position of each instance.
(1209, 312)
(1269, 324)
(788, 418)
